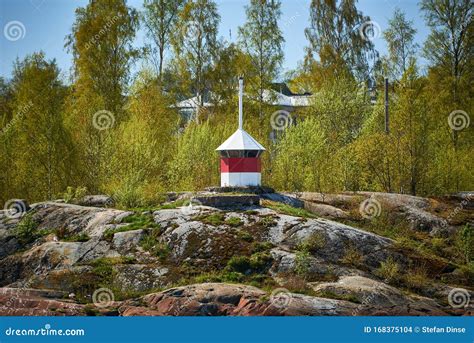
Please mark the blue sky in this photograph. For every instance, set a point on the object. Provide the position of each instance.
(47, 22)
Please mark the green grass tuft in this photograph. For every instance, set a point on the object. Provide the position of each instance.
(287, 209)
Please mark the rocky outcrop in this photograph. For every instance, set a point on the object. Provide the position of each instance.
(285, 263)
(140, 277)
(334, 240)
(75, 219)
(73, 249)
(435, 216)
(217, 299)
(96, 201)
(326, 211)
(380, 295)
(213, 299)
(127, 241)
(30, 302)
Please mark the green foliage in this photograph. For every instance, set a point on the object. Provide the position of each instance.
(352, 257)
(140, 221)
(255, 264)
(465, 242)
(151, 242)
(196, 147)
(299, 163)
(49, 141)
(195, 45)
(215, 219)
(240, 264)
(302, 263)
(389, 270)
(261, 246)
(262, 39)
(26, 230)
(160, 18)
(312, 244)
(219, 277)
(74, 194)
(267, 221)
(43, 160)
(82, 237)
(287, 209)
(245, 236)
(417, 279)
(136, 222)
(143, 146)
(399, 37)
(331, 36)
(234, 221)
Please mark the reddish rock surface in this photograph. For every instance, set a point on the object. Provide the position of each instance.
(207, 299)
(27, 302)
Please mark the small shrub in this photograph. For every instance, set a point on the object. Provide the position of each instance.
(296, 284)
(465, 241)
(261, 246)
(389, 270)
(417, 279)
(267, 221)
(140, 221)
(302, 263)
(240, 264)
(223, 276)
(214, 219)
(255, 264)
(74, 194)
(103, 267)
(245, 236)
(287, 209)
(352, 257)
(315, 242)
(150, 242)
(61, 232)
(234, 221)
(438, 244)
(45, 232)
(466, 273)
(260, 262)
(26, 230)
(136, 222)
(129, 194)
(82, 237)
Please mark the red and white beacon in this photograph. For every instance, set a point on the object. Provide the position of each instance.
(240, 155)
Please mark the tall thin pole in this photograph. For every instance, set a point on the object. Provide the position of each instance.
(241, 94)
(387, 127)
